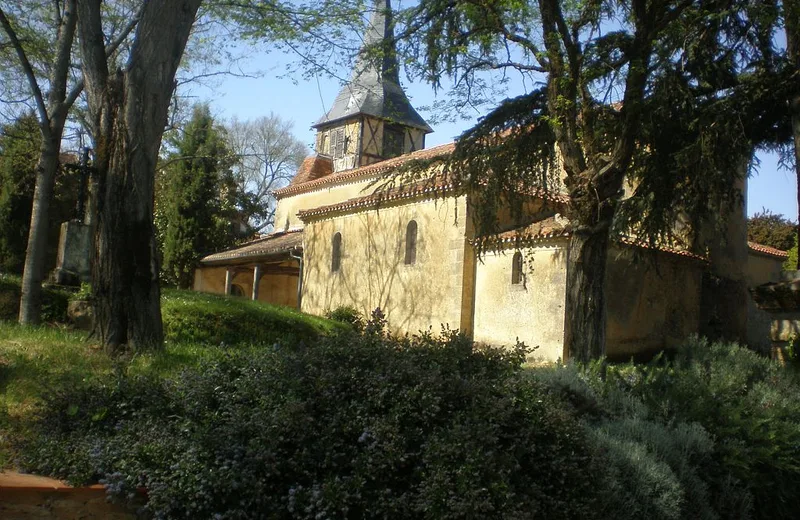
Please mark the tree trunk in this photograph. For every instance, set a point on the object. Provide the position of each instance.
(30, 305)
(125, 272)
(792, 21)
(128, 113)
(52, 117)
(585, 320)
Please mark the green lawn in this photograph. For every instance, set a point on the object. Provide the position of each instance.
(35, 360)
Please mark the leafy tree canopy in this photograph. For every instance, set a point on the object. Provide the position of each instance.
(19, 149)
(771, 229)
(20, 144)
(195, 206)
(642, 114)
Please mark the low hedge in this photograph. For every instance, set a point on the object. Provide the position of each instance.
(351, 426)
(363, 425)
(713, 432)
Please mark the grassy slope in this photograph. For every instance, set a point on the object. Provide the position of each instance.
(33, 361)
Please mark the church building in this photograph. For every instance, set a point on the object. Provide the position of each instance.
(340, 239)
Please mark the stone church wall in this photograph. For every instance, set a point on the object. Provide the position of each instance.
(651, 304)
(531, 311)
(373, 273)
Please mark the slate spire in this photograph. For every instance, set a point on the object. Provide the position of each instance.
(374, 87)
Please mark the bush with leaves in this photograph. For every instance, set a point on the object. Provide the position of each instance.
(651, 469)
(750, 406)
(359, 426)
(712, 433)
(347, 314)
(772, 229)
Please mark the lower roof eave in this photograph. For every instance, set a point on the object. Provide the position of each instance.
(243, 260)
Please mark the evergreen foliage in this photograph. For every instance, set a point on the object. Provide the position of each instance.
(195, 207)
(772, 229)
(348, 426)
(646, 119)
(19, 151)
(20, 144)
(370, 426)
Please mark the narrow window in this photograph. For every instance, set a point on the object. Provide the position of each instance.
(339, 144)
(336, 253)
(516, 268)
(323, 144)
(411, 243)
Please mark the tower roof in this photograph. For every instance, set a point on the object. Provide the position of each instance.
(374, 87)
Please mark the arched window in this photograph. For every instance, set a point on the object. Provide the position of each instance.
(237, 290)
(516, 269)
(336, 252)
(411, 243)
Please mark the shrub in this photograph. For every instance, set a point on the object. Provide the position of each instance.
(750, 407)
(650, 469)
(347, 314)
(350, 426)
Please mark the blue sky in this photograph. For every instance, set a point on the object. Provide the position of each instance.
(305, 101)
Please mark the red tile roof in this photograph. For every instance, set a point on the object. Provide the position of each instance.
(557, 227)
(435, 186)
(313, 168)
(766, 250)
(376, 199)
(269, 245)
(550, 227)
(364, 171)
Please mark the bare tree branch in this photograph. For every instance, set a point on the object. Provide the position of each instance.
(28, 70)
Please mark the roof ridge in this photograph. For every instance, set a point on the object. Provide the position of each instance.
(364, 171)
(767, 250)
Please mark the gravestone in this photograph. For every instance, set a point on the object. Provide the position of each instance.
(74, 248)
(73, 265)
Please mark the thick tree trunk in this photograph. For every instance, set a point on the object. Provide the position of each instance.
(30, 305)
(585, 320)
(125, 273)
(128, 111)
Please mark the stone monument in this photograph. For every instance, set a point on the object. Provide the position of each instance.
(73, 265)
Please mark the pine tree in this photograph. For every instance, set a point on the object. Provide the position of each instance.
(192, 206)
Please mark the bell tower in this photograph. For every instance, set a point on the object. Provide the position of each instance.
(371, 119)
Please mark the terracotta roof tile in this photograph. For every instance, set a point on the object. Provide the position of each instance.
(437, 187)
(313, 168)
(550, 227)
(766, 250)
(364, 171)
(558, 227)
(269, 245)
